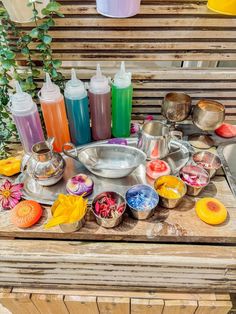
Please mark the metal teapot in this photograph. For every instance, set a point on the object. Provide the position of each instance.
(44, 165)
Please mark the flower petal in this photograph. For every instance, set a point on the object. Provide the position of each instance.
(5, 203)
(17, 187)
(16, 195)
(13, 202)
(7, 185)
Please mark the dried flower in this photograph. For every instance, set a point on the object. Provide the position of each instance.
(10, 194)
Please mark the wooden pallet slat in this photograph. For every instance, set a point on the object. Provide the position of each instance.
(81, 304)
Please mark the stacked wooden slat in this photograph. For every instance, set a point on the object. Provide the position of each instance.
(173, 30)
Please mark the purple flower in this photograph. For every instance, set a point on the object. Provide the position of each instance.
(10, 194)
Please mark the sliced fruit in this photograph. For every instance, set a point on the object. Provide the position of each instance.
(26, 214)
(157, 168)
(226, 130)
(211, 211)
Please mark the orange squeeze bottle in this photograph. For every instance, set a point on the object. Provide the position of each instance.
(54, 113)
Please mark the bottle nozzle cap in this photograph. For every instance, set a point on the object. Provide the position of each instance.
(122, 78)
(75, 87)
(99, 84)
(50, 91)
(21, 102)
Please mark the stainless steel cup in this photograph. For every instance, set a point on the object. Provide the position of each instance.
(176, 107)
(109, 222)
(154, 139)
(208, 114)
(209, 161)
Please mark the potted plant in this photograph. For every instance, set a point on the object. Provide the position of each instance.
(21, 11)
(118, 8)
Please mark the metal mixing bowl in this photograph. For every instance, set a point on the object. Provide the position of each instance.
(109, 222)
(149, 192)
(111, 161)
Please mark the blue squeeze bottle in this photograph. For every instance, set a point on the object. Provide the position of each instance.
(77, 106)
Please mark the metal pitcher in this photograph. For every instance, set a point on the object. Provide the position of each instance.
(154, 139)
(44, 165)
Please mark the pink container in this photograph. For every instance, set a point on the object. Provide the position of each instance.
(118, 8)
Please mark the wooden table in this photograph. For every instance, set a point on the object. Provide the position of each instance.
(172, 251)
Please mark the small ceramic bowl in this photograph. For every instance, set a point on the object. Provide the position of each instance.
(209, 161)
(109, 222)
(146, 197)
(174, 185)
(195, 177)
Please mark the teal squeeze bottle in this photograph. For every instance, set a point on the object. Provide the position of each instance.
(77, 110)
(122, 93)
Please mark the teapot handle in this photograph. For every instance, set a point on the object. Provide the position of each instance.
(176, 135)
(72, 153)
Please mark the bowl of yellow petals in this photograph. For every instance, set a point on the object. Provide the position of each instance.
(68, 212)
(171, 190)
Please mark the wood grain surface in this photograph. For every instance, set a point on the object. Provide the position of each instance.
(177, 225)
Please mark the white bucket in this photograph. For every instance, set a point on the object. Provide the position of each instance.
(118, 8)
(19, 11)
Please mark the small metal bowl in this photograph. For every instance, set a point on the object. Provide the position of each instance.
(198, 171)
(209, 161)
(72, 227)
(109, 222)
(180, 186)
(149, 193)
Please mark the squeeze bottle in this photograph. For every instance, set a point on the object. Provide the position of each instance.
(122, 92)
(100, 106)
(54, 113)
(26, 117)
(77, 110)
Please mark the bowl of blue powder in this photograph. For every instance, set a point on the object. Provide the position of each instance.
(142, 201)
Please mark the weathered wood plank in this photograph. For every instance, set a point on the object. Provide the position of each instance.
(107, 305)
(213, 307)
(180, 307)
(147, 306)
(81, 304)
(163, 226)
(49, 304)
(18, 303)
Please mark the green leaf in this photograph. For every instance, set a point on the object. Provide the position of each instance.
(41, 47)
(25, 51)
(26, 38)
(50, 22)
(53, 6)
(7, 64)
(3, 81)
(44, 26)
(47, 39)
(60, 14)
(45, 12)
(9, 54)
(54, 73)
(35, 73)
(34, 33)
(56, 63)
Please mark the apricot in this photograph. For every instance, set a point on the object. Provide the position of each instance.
(211, 211)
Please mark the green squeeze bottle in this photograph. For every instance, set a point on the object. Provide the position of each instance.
(122, 93)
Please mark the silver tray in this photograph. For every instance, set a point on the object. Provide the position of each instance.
(178, 157)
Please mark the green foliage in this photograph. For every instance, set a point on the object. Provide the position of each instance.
(35, 41)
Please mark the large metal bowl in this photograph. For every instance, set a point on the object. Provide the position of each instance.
(111, 161)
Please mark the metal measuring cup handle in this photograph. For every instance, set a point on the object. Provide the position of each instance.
(72, 153)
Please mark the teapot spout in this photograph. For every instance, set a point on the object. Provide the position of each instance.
(50, 142)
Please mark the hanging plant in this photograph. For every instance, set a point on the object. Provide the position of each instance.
(38, 36)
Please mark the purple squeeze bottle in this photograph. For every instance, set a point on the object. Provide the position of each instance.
(26, 117)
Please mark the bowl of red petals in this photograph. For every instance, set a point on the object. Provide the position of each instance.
(108, 209)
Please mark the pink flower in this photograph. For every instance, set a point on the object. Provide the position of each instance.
(149, 118)
(10, 194)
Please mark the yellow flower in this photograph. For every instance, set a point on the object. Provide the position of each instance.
(67, 209)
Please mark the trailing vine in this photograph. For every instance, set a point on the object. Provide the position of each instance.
(37, 41)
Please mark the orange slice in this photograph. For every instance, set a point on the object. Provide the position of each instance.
(211, 211)
(26, 213)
